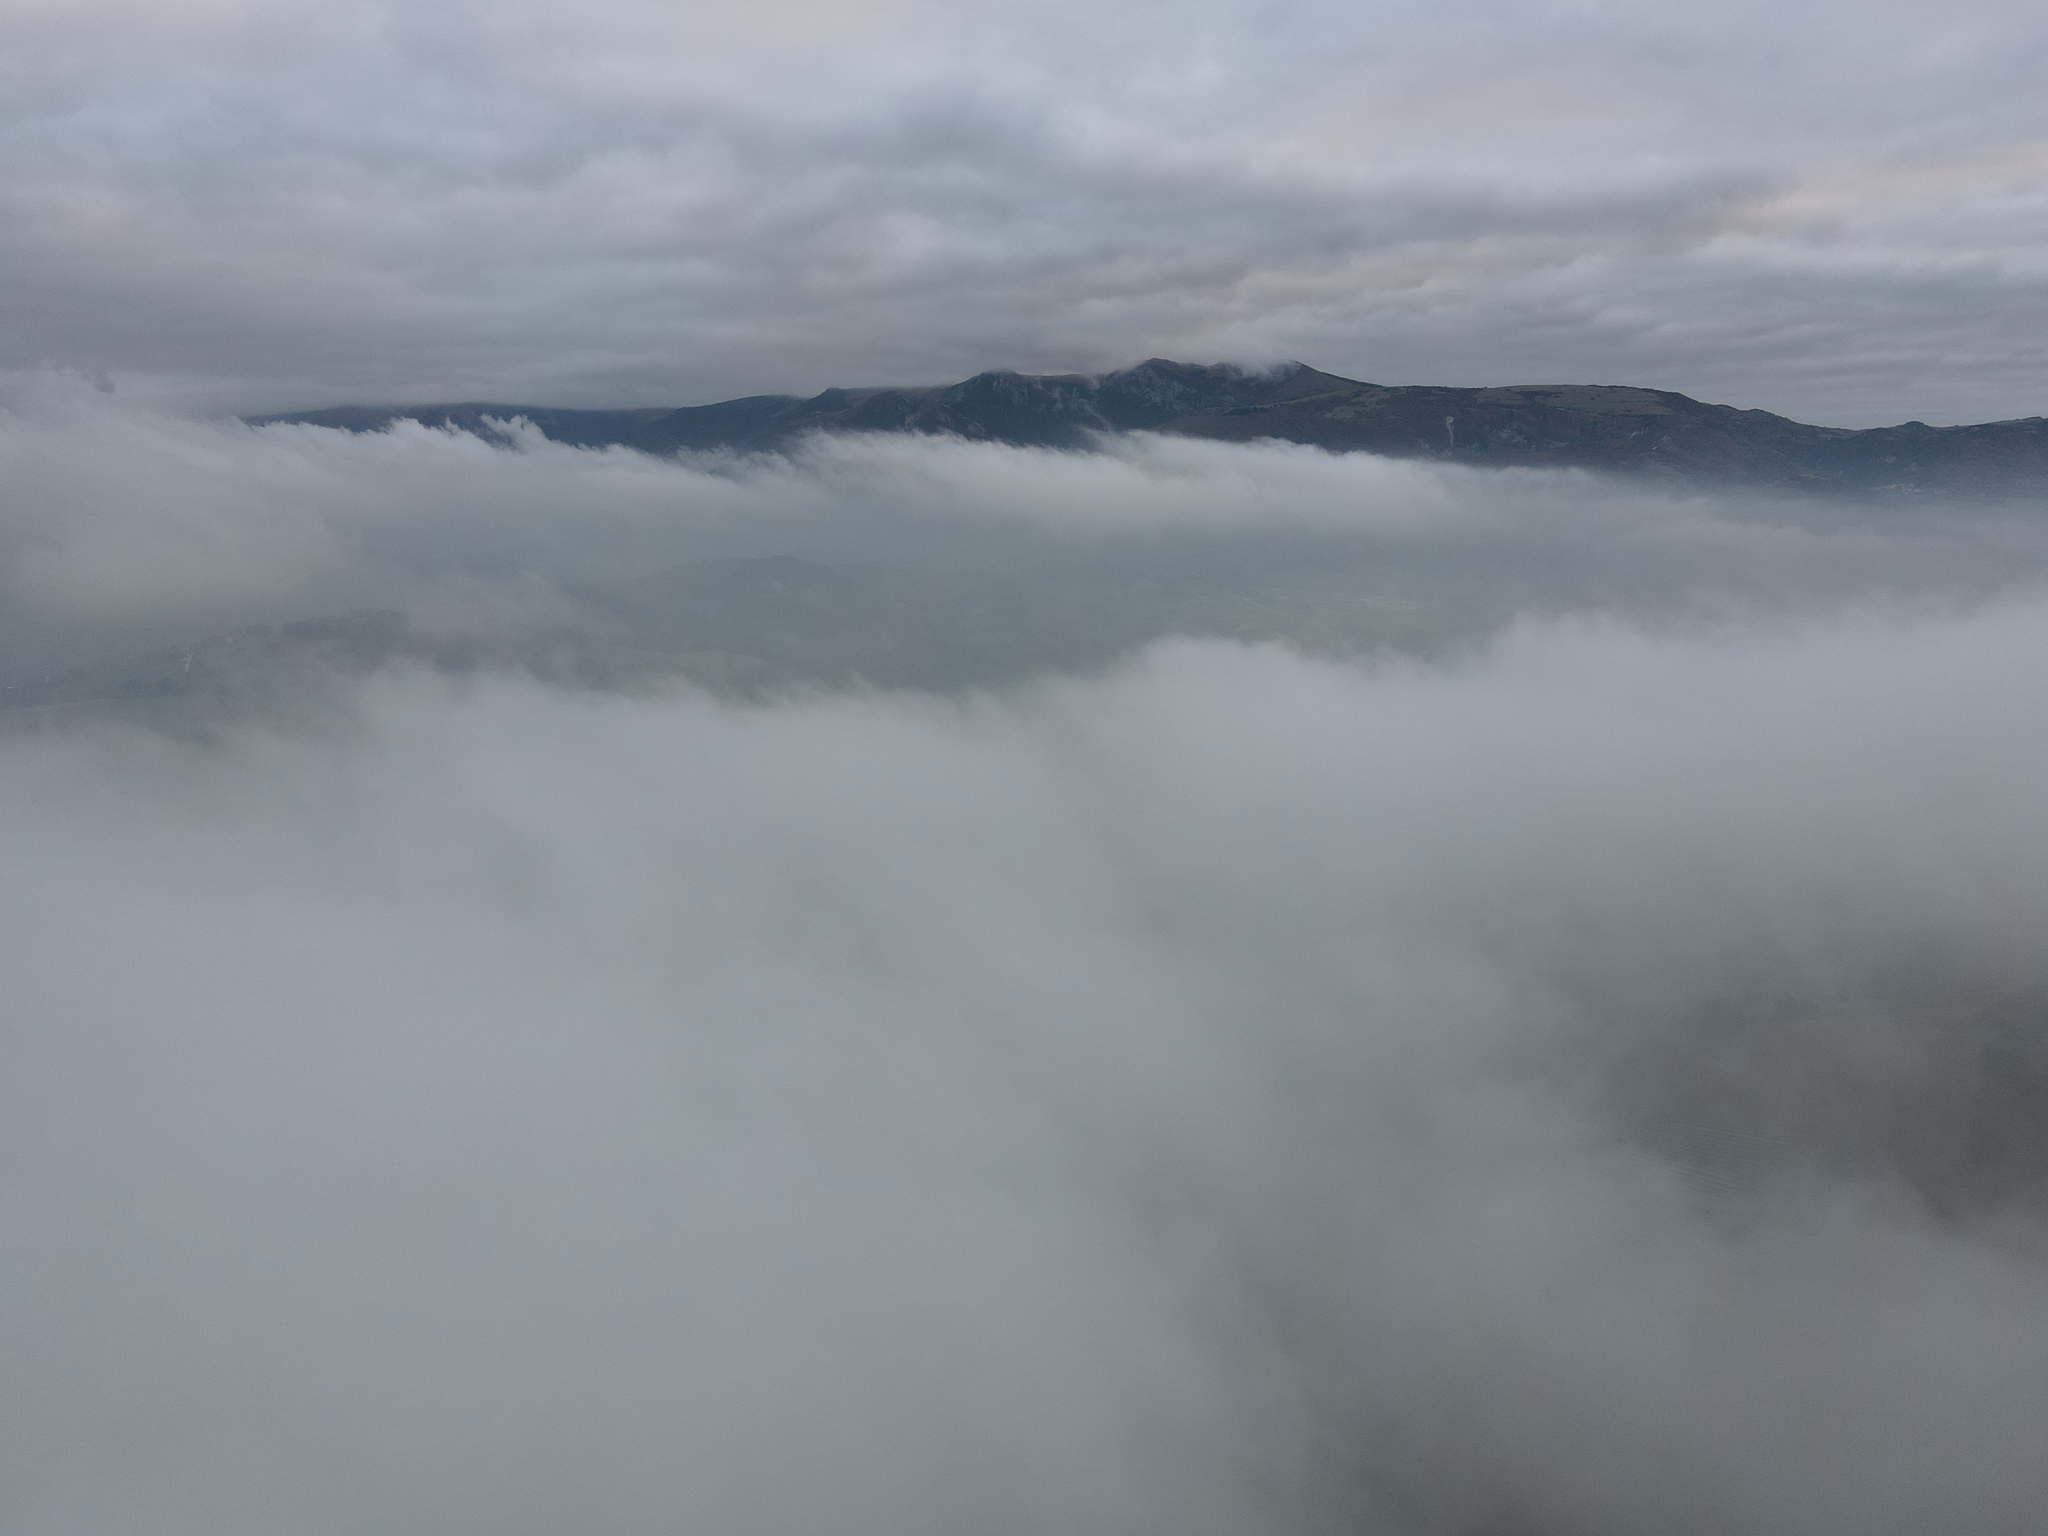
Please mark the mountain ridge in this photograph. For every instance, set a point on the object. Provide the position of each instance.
(1613, 428)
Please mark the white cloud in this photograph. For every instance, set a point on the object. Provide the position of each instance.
(1232, 1094)
(128, 530)
(1587, 1080)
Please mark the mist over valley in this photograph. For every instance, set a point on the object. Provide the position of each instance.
(913, 984)
(729, 808)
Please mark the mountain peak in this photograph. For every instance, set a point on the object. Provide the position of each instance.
(1584, 426)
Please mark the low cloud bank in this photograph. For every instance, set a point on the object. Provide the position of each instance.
(1590, 1081)
(126, 531)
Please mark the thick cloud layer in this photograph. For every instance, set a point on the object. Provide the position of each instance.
(1563, 1053)
(1242, 1093)
(129, 530)
(1831, 210)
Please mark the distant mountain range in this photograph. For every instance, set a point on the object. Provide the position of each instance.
(1601, 427)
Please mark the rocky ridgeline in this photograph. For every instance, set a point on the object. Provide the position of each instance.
(1600, 427)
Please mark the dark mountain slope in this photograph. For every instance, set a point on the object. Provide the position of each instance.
(1604, 427)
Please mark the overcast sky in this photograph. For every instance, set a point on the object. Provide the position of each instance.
(1832, 210)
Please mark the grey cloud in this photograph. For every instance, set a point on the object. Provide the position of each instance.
(292, 209)
(1211, 987)
(130, 530)
(1205, 1097)
(1555, 1045)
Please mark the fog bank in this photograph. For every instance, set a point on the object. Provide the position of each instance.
(1574, 1064)
(925, 562)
